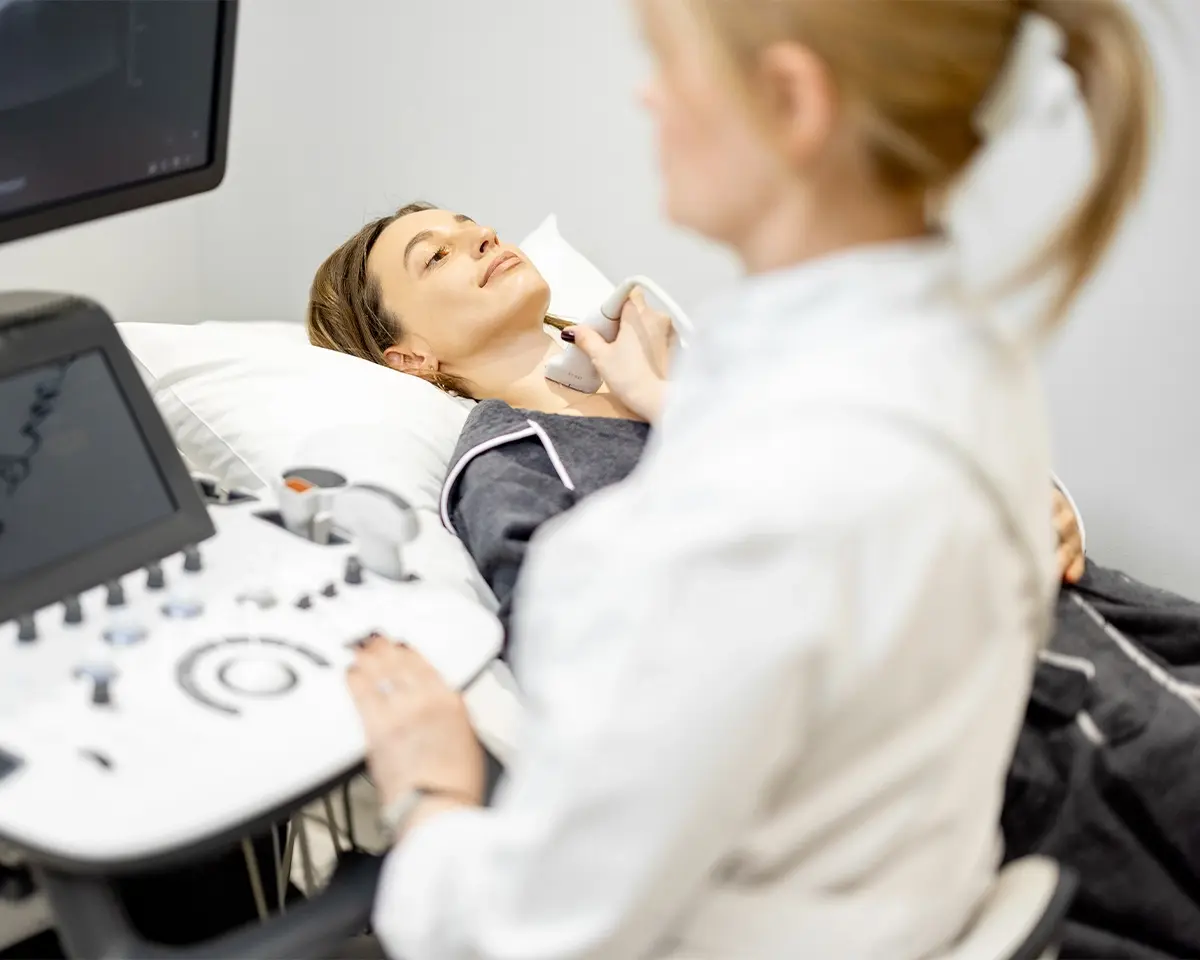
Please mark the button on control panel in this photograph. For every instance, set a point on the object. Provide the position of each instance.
(8, 765)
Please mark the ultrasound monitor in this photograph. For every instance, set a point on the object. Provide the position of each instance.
(78, 472)
(109, 105)
(91, 486)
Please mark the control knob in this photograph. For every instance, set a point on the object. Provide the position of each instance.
(381, 524)
(101, 676)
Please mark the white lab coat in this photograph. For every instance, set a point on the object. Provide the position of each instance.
(774, 679)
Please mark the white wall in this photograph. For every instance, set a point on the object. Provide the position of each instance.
(141, 266)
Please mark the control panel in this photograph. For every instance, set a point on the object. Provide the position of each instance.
(206, 688)
(171, 664)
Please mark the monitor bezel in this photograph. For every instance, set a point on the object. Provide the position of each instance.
(122, 199)
(69, 327)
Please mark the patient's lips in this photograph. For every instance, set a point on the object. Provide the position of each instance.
(502, 264)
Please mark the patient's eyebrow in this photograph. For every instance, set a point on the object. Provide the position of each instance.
(429, 235)
(415, 242)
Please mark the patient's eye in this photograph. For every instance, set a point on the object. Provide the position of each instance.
(441, 254)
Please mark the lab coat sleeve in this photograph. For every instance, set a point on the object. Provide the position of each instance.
(600, 838)
(1062, 488)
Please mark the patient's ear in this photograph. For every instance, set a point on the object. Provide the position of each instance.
(409, 357)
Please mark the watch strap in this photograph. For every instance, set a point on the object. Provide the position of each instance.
(394, 817)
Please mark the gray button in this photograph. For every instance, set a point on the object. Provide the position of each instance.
(26, 629)
(116, 594)
(72, 610)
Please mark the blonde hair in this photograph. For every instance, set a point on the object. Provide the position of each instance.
(914, 73)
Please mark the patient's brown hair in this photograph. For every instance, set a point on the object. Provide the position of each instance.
(345, 305)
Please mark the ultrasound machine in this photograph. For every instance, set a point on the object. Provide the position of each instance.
(172, 655)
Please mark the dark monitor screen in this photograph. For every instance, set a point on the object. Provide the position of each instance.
(106, 105)
(75, 470)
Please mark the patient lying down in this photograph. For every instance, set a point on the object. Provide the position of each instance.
(435, 295)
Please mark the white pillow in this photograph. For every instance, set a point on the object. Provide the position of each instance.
(245, 404)
(577, 287)
(246, 401)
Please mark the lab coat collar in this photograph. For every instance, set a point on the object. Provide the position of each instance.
(873, 283)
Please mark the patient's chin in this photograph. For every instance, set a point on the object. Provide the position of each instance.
(532, 281)
(527, 294)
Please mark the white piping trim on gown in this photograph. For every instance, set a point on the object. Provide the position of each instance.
(533, 430)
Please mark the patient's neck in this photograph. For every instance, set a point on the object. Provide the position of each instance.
(514, 372)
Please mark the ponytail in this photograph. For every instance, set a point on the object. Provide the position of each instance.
(1106, 49)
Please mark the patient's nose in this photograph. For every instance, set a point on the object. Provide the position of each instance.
(486, 241)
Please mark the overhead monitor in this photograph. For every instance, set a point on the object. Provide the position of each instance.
(109, 105)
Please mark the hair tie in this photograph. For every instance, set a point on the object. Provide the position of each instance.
(1034, 168)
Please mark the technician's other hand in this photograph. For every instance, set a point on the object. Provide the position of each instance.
(1071, 561)
(635, 365)
(417, 730)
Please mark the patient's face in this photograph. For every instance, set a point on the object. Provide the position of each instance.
(456, 289)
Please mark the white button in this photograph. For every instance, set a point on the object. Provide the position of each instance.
(125, 634)
(99, 672)
(180, 608)
(258, 676)
(263, 599)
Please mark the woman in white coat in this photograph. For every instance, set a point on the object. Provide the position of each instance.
(774, 717)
